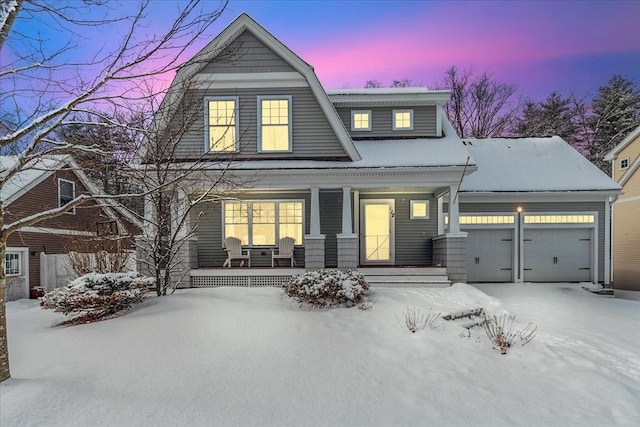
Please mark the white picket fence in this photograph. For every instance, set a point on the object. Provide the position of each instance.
(55, 270)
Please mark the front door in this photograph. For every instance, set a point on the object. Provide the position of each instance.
(377, 244)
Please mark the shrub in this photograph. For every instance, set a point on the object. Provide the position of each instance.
(94, 296)
(328, 288)
(414, 320)
(502, 332)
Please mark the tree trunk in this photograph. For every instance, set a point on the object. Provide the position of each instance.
(4, 347)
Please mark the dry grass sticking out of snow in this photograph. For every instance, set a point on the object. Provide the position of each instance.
(238, 356)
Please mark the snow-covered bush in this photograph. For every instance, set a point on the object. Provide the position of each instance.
(502, 332)
(414, 320)
(97, 296)
(328, 288)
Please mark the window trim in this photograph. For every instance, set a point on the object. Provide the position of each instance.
(250, 220)
(626, 159)
(353, 122)
(207, 99)
(71, 211)
(393, 119)
(411, 204)
(289, 99)
(19, 255)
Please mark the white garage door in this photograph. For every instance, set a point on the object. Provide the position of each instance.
(489, 255)
(557, 255)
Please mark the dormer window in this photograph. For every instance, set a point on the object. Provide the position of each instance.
(624, 163)
(221, 124)
(274, 129)
(402, 119)
(66, 193)
(361, 120)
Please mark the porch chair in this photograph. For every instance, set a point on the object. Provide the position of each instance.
(285, 251)
(233, 246)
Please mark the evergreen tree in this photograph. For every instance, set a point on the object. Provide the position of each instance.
(554, 116)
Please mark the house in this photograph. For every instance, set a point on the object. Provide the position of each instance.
(44, 184)
(373, 179)
(625, 170)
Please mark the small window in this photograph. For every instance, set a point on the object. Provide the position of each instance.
(12, 264)
(402, 119)
(221, 124)
(419, 209)
(66, 193)
(274, 130)
(361, 120)
(624, 163)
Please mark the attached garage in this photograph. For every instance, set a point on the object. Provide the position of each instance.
(490, 255)
(557, 255)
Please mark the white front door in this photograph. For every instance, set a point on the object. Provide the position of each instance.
(377, 244)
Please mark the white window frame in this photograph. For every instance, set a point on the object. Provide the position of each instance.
(71, 211)
(624, 162)
(393, 119)
(411, 214)
(353, 121)
(250, 220)
(19, 255)
(207, 99)
(289, 100)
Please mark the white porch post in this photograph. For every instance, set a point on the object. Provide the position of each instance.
(314, 241)
(454, 210)
(346, 211)
(347, 240)
(314, 229)
(186, 253)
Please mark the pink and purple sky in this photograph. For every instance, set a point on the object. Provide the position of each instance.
(540, 46)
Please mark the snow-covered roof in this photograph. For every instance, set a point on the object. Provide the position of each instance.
(532, 165)
(31, 174)
(382, 96)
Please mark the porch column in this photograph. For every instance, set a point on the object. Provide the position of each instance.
(314, 241)
(454, 212)
(186, 250)
(347, 240)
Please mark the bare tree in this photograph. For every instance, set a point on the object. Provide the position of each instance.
(45, 86)
(480, 107)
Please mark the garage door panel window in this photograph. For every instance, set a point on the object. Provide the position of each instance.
(559, 219)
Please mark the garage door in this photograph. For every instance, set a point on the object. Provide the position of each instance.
(557, 255)
(489, 255)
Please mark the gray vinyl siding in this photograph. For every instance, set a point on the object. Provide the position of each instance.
(313, 136)
(209, 231)
(247, 54)
(548, 207)
(331, 224)
(413, 237)
(424, 122)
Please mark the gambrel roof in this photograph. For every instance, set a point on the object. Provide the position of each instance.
(216, 47)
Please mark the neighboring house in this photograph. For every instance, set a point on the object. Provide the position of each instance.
(625, 169)
(42, 185)
(365, 177)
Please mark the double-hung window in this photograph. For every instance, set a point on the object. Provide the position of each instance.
(221, 124)
(66, 193)
(12, 264)
(264, 222)
(402, 119)
(274, 127)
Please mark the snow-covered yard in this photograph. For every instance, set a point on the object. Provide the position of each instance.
(236, 356)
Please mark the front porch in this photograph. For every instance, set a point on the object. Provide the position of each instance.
(376, 276)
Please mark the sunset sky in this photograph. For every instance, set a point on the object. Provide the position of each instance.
(540, 46)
